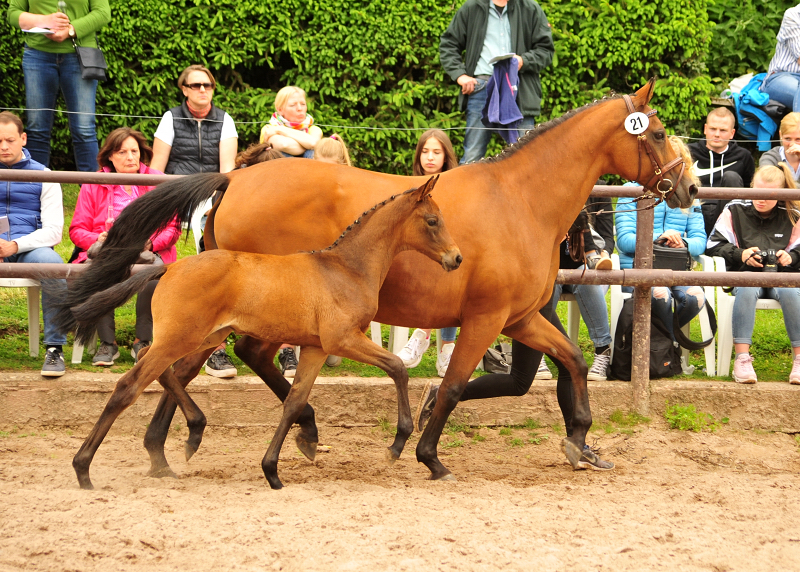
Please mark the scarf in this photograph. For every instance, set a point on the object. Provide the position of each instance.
(198, 113)
(305, 125)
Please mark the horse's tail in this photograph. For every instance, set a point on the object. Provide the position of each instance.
(87, 315)
(138, 222)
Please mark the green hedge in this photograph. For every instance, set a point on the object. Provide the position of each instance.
(375, 64)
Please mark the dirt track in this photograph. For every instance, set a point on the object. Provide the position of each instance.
(677, 501)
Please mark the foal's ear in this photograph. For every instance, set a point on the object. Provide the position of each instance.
(426, 189)
(645, 93)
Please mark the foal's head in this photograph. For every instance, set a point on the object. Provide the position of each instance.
(424, 229)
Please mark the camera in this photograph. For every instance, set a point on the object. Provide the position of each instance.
(769, 259)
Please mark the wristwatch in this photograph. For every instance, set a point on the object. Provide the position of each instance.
(71, 32)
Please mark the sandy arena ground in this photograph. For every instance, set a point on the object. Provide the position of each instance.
(676, 501)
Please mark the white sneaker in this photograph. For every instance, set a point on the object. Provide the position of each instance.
(544, 372)
(417, 345)
(444, 358)
(599, 369)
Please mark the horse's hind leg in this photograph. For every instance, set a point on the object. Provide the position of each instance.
(195, 420)
(541, 335)
(359, 348)
(129, 387)
(185, 370)
(311, 360)
(259, 355)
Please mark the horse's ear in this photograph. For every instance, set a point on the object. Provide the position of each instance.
(645, 93)
(426, 189)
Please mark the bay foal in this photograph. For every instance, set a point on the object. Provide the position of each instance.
(322, 301)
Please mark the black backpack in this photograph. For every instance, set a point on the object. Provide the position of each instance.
(665, 355)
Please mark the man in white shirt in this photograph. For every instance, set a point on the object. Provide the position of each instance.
(35, 216)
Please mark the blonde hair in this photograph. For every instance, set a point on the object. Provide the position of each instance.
(683, 152)
(790, 123)
(781, 174)
(285, 93)
(722, 113)
(334, 149)
(196, 67)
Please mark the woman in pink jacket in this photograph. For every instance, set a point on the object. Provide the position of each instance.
(125, 151)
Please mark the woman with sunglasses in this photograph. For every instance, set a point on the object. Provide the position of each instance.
(196, 136)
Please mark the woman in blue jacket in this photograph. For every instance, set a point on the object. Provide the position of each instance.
(677, 228)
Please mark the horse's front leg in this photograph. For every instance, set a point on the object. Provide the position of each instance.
(541, 335)
(128, 389)
(185, 370)
(477, 334)
(311, 360)
(259, 356)
(358, 347)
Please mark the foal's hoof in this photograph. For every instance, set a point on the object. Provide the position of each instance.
(391, 456)
(447, 477)
(572, 452)
(189, 450)
(308, 448)
(162, 472)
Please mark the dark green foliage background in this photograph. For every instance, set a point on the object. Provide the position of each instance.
(375, 64)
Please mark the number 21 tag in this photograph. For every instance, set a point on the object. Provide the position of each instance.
(636, 123)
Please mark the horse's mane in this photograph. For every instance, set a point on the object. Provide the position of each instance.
(357, 223)
(540, 129)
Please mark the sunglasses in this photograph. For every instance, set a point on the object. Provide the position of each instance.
(197, 86)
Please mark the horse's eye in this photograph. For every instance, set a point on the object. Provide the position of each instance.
(659, 135)
(432, 222)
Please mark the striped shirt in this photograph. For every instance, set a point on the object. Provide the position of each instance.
(787, 51)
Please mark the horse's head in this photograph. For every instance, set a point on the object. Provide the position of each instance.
(426, 232)
(658, 167)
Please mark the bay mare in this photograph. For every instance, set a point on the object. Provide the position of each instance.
(507, 214)
(321, 301)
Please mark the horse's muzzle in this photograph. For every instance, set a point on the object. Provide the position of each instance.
(452, 259)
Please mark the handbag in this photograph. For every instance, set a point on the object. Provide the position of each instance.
(668, 258)
(92, 62)
(497, 359)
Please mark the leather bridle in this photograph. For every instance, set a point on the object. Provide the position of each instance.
(663, 187)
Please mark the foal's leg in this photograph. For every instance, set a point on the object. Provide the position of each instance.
(541, 335)
(129, 387)
(311, 360)
(259, 355)
(357, 347)
(195, 420)
(185, 370)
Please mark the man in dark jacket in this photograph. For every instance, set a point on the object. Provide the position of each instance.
(485, 29)
(720, 162)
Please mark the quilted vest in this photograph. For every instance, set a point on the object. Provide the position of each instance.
(21, 202)
(195, 148)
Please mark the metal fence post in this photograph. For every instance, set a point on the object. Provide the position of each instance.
(640, 358)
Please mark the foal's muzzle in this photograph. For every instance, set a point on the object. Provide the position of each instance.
(452, 259)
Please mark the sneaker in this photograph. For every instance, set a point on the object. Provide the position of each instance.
(106, 354)
(794, 377)
(589, 460)
(743, 371)
(288, 362)
(599, 369)
(426, 403)
(333, 361)
(135, 349)
(219, 364)
(443, 360)
(53, 363)
(544, 372)
(596, 262)
(412, 352)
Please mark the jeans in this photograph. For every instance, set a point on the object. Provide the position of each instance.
(785, 88)
(307, 154)
(744, 312)
(687, 304)
(592, 304)
(45, 75)
(477, 137)
(40, 256)
(448, 335)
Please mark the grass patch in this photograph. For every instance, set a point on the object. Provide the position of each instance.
(688, 418)
(532, 424)
(516, 442)
(386, 426)
(505, 431)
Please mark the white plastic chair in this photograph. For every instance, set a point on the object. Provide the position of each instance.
(33, 289)
(725, 321)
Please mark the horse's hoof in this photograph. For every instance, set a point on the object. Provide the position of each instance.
(189, 450)
(308, 448)
(447, 477)
(274, 483)
(85, 484)
(162, 472)
(572, 452)
(391, 456)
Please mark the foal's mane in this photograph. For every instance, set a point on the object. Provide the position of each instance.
(357, 223)
(540, 129)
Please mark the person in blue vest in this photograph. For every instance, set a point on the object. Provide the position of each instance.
(198, 137)
(783, 77)
(35, 216)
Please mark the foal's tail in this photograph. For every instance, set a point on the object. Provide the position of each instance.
(138, 222)
(87, 315)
